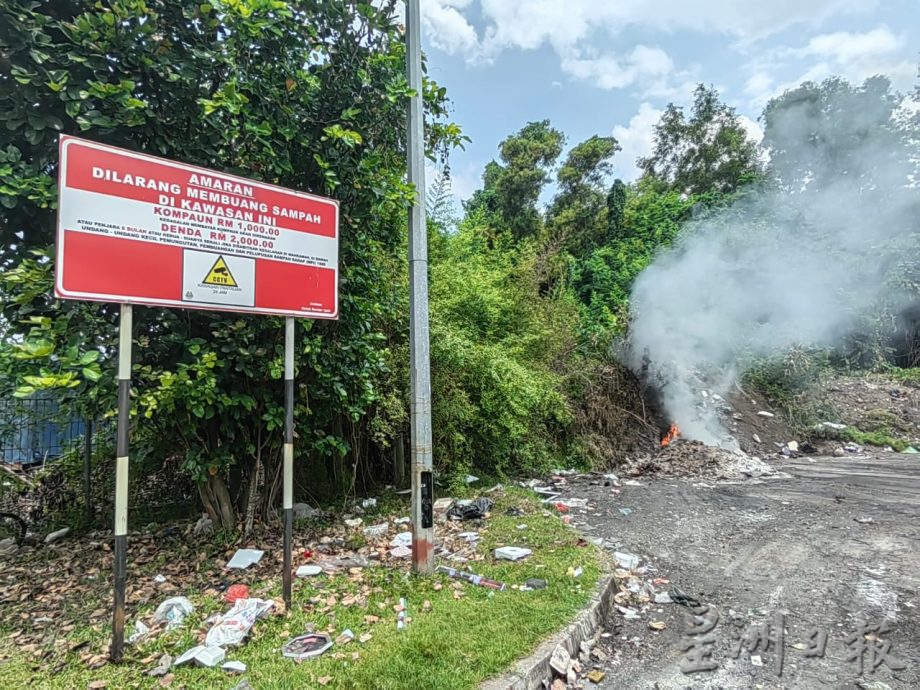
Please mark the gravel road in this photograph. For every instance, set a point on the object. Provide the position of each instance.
(829, 547)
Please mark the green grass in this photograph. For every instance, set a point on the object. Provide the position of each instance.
(454, 644)
(905, 375)
(880, 438)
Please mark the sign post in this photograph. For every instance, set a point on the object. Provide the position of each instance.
(125, 336)
(288, 469)
(136, 229)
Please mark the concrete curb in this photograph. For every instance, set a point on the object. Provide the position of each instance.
(531, 673)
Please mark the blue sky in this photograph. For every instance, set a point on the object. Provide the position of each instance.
(610, 66)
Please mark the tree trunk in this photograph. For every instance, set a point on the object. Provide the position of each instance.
(252, 502)
(217, 502)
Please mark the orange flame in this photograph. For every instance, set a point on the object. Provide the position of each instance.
(673, 432)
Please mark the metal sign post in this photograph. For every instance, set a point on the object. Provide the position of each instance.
(420, 376)
(125, 329)
(288, 469)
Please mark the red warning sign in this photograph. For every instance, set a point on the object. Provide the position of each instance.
(138, 229)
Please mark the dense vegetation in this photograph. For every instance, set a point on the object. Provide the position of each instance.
(526, 302)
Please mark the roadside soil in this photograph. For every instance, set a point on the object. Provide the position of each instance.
(825, 542)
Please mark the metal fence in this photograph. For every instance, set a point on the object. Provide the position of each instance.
(37, 429)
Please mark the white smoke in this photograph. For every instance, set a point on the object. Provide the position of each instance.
(794, 262)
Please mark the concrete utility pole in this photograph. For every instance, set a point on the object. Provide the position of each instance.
(420, 375)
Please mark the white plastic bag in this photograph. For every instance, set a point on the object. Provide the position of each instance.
(234, 625)
(173, 611)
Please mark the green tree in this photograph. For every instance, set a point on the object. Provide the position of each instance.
(707, 151)
(307, 95)
(511, 188)
(579, 209)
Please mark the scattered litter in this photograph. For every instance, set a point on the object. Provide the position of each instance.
(471, 479)
(234, 625)
(470, 536)
(663, 598)
(304, 510)
(162, 667)
(234, 667)
(59, 534)
(910, 450)
(402, 539)
(560, 659)
(402, 521)
(576, 572)
(512, 553)
(346, 637)
(235, 592)
(401, 616)
(497, 487)
(756, 660)
(203, 526)
(472, 511)
(756, 438)
(522, 526)
(864, 520)
(596, 676)
(377, 530)
(308, 571)
(832, 425)
(353, 522)
(369, 503)
(203, 655)
(628, 613)
(173, 611)
(561, 507)
(307, 646)
(764, 413)
(793, 446)
(401, 552)
(626, 511)
(515, 511)
(442, 504)
(627, 561)
(473, 578)
(535, 583)
(657, 625)
(159, 579)
(140, 632)
(611, 478)
(573, 503)
(244, 558)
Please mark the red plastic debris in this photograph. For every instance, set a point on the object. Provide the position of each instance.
(235, 592)
(561, 507)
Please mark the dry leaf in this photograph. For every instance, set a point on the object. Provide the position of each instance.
(438, 586)
(355, 656)
(657, 625)
(371, 619)
(426, 605)
(324, 680)
(96, 684)
(365, 638)
(167, 680)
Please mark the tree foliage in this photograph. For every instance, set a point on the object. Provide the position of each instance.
(306, 95)
(511, 188)
(707, 151)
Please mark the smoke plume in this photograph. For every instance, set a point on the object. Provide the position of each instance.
(797, 261)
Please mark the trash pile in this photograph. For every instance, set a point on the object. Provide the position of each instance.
(684, 458)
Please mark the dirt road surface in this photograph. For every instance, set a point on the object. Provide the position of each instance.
(833, 546)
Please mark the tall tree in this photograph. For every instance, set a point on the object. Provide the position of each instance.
(707, 151)
(579, 208)
(511, 188)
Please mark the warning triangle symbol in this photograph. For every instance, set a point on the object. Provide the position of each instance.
(220, 274)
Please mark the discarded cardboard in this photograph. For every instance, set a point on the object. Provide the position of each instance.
(203, 655)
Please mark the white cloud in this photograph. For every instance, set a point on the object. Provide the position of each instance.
(447, 28)
(615, 72)
(636, 140)
(854, 56)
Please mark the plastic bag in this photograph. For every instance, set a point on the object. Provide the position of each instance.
(173, 611)
(472, 511)
(234, 625)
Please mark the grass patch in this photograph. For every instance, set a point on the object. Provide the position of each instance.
(911, 376)
(463, 636)
(880, 438)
